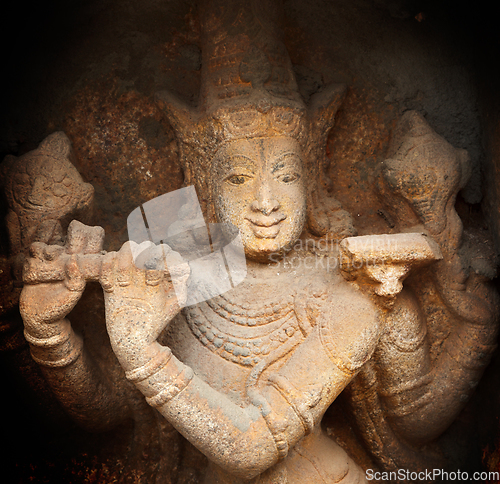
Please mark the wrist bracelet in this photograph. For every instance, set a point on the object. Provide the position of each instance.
(277, 428)
(172, 389)
(51, 341)
(297, 400)
(401, 409)
(155, 364)
(73, 355)
(405, 387)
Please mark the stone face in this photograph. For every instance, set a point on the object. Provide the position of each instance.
(44, 193)
(399, 323)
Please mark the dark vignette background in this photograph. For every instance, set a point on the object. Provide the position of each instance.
(91, 68)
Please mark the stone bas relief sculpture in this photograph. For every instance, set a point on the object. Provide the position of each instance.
(45, 192)
(247, 376)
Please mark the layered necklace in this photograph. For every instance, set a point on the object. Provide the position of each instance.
(239, 332)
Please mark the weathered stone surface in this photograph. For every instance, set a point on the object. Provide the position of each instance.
(392, 174)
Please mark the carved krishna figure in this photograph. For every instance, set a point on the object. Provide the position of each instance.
(248, 375)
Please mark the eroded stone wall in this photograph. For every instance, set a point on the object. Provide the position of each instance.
(91, 70)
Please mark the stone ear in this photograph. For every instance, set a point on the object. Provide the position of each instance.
(323, 107)
(182, 118)
(56, 143)
(317, 220)
(412, 126)
(465, 166)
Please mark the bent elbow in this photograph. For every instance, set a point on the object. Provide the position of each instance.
(248, 457)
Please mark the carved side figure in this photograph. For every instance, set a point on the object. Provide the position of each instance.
(443, 329)
(44, 192)
(247, 376)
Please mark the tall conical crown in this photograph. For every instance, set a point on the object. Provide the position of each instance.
(248, 90)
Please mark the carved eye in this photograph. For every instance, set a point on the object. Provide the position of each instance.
(237, 179)
(289, 177)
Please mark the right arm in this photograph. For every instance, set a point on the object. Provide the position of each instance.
(245, 441)
(72, 373)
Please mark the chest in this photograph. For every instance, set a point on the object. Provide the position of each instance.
(255, 327)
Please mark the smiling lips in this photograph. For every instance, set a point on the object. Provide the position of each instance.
(266, 227)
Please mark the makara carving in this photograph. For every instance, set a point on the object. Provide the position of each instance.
(247, 376)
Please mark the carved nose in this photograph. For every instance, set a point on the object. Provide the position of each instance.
(265, 202)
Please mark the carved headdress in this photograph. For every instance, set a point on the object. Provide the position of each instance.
(249, 90)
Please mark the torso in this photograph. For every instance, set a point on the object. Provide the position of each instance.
(224, 338)
(257, 327)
